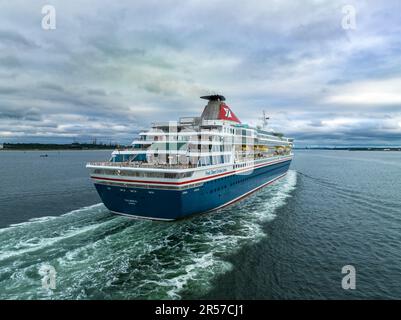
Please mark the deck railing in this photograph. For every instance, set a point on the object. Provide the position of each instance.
(139, 164)
(143, 165)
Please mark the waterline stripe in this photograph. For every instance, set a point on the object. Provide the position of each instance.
(140, 217)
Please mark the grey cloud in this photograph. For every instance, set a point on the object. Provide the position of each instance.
(12, 38)
(8, 90)
(108, 73)
(9, 62)
(52, 87)
(28, 114)
(96, 92)
(114, 49)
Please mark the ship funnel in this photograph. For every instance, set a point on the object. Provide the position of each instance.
(216, 109)
(214, 97)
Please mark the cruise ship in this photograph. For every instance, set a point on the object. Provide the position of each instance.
(193, 165)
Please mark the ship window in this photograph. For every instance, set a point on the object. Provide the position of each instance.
(170, 175)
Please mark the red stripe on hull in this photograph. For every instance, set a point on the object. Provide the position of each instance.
(190, 181)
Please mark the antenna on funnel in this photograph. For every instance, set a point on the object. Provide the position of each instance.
(214, 97)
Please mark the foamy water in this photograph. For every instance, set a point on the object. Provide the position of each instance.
(98, 255)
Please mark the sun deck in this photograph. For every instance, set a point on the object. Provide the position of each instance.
(137, 164)
(178, 166)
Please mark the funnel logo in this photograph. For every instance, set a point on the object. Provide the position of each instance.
(228, 112)
(225, 113)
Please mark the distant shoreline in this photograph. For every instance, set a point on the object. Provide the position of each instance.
(24, 150)
(93, 147)
(58, 147)
(354, 149)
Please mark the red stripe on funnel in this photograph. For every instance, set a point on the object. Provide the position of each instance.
(225, 113)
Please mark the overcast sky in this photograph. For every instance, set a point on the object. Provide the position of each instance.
(111, 67)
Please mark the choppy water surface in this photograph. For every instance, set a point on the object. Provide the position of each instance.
(289, 240)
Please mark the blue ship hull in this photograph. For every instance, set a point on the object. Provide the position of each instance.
(175, 204)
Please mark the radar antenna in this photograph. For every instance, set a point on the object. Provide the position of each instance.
(264, 120)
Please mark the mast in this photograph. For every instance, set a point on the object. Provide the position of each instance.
(264, 120)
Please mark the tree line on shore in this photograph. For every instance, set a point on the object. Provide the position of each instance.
(52, 146)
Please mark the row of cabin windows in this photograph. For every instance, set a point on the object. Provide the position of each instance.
(231, 184)
(228, 130)
(149, 186)
(211, 160)
(167, 175)
(209, 147)
(239, 131)
(218, 189)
